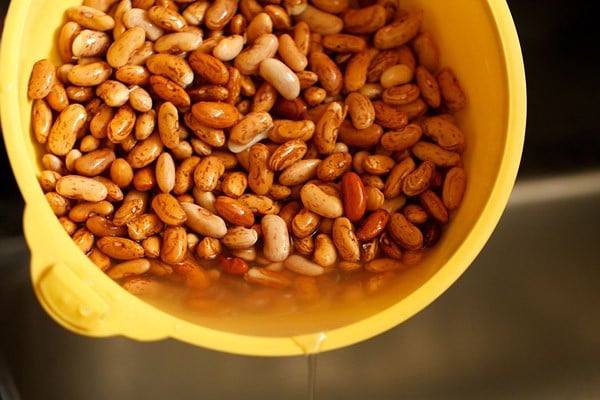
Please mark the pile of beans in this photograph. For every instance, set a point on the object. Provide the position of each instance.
(247, 144)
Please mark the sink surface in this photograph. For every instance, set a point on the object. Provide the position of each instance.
(522, 322)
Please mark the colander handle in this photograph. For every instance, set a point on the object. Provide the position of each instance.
(75, 293)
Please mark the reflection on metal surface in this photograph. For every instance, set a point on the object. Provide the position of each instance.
(8, 389)
(556, 188)
(522, 322)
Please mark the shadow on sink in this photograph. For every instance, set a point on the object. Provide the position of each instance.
(522, 322)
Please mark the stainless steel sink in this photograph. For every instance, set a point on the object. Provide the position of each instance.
(522, 322)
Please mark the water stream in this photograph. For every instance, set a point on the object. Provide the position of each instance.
(312, 376)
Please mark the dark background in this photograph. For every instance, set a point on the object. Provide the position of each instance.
(521, 323)
(562, 63)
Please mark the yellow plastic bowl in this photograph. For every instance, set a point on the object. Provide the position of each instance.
(477, 39)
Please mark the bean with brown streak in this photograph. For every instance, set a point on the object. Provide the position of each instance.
(320, 21)
(84, 210)
(234, 212)
(334, 166)
(168, 124)
(373, 225)
(174, 245)
(330, 76)
(251, 125)
(209, 67)
(261, 24)
(129, 268)
(100, 260)
(439, 156)
(345, 239)
(172, 67)
(95, 162)
(280, 17)
(121, 50)
(434, 206)
(239, 238)
(207, 173)
(100, 226)
(262, 48)
(402, 139)
(41, 80)
(393, 183)
(291, 54)
(361, 138)
(380, 62)
(41, 120)
(168, 209)
(120, 248)
(91, 18)
(415, 214)
(219, 13)
(284, 130)
(453, 188)
(128, 211)
(234, 183)
(375, 198)
(195, 12)
(428, 87)
(325, 252)
(419, 179)
(364, 20)
(60, 205)
(443, 132)
(287, 154)
(168, 19)
(401, 94)
(452, 93)
(326, 129)
(378, 164)
(208, 248)
(66, 36)
(81, 188)
(260, 205)
(388, 116)
(145, 151)
(305, 223)
(260, 176)
(67, 127)
(113, 93)
(203, 221)
(114, 193)
(122, 124)
(47, 180)
(215, 115)
(404, 232)
(168, 90)
(83, 239)
(400, 31)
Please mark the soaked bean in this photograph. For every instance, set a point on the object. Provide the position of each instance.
(281, 152)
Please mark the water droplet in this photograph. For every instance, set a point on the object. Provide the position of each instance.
(312, 376)
(310, 344)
